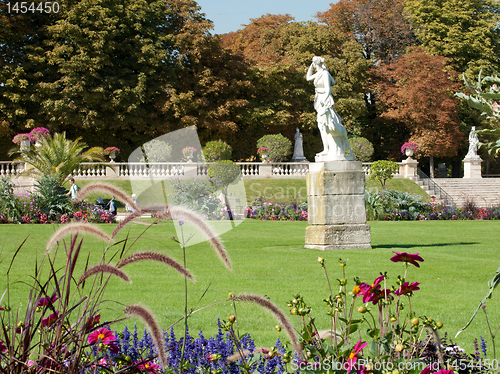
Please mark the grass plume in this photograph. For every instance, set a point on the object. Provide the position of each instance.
(104, 268)
(154, 256)
(178, 212)
(259, 300)
(77, 228)
(147, 317)
(105, 187)
(129, 218)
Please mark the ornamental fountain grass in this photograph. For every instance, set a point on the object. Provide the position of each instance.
(277, 266)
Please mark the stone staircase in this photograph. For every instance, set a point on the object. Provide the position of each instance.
(484, 192)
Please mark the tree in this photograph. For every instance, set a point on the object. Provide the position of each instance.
(465, 31)
(58, 156)
(383, 170)
(382, 32)
(278, 67)
(119, 72)
(417, 90)
(380, 26)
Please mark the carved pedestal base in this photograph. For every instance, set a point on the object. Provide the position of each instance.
(336, 206)
(472, 167)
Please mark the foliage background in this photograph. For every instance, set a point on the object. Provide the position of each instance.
(119, 73)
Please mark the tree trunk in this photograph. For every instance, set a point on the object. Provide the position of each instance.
(431, 166)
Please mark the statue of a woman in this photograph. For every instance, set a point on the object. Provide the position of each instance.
(298, 150)
(333, 133)
(473, 140)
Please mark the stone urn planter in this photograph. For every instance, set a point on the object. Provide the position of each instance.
(408, 152)
(25, 144)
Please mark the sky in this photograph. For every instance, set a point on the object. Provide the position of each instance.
(229, 15)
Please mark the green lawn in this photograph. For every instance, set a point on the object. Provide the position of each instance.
(269, 259)
(283, 190)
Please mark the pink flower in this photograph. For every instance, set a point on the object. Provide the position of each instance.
(46, 300)
(407, 257)
(3, 347)
(49, 321)
(407, 288)
(353, 356)
(148, 367)
(103, 336)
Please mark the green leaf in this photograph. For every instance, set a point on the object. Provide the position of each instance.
(374, 348)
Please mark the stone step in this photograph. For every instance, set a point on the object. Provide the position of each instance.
(483, 192)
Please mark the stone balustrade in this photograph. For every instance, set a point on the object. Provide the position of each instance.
(173, 170)
(11, 169)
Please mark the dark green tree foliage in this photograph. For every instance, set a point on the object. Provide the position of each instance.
(114, 61)
(118, 72)
(379, 26)
(21, 44)
(465, 31)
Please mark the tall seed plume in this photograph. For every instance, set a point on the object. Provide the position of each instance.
(154, 256)
(105, 187)
(277, 312)
(104, 268)
(178, 212)
(147, 317)
(129, 218)
(77, 228)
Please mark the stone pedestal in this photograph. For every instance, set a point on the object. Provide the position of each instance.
(336, 206)
(408, 168)
(472, 167)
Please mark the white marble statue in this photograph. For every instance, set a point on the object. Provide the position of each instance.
(298, 150)
(333, 133)
(473, 140)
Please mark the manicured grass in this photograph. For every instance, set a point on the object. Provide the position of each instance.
(284, 190)
(269, 259)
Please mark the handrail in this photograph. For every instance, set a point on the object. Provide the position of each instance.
(427, 181)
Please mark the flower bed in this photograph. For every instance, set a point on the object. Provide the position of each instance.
(373, 325)
(31, 207)
(277, 212)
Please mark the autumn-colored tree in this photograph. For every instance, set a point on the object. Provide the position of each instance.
(465, 31)
(283, 99)
(247, 42)
(380, 26)
(417, 90)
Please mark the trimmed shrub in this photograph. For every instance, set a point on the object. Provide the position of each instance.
(362, 149)
(383, 170)
(217, 150)
(279, 147)
(223, 173)
(157, 151)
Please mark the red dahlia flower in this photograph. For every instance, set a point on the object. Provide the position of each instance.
(407, 288)
(407, 257)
